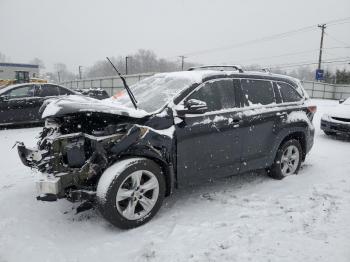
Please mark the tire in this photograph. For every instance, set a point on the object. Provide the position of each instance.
(130, 192)
(288, 160)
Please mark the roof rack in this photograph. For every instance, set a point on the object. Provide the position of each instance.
(235, 67)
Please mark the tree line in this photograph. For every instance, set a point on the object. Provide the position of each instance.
(146, 61)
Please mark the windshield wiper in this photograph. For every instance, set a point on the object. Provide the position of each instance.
(131, 95)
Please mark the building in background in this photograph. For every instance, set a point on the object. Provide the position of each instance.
(21, 73)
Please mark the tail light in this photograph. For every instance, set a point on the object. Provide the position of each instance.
(312, 109)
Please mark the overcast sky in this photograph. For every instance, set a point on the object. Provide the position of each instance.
(80, 32)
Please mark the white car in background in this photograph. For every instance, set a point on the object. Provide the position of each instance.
(337, 121)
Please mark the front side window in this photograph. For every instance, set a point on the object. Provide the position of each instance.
(258, 92)
(288, 93)
(23, 91)
(218, 94)
(48, 90)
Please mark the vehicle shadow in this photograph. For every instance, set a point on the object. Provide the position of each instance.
(338, 138)
(206, 191)
(17, 126)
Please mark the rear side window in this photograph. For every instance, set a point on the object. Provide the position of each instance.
(258, 91)
(48, 90)
(64, 91)
(219, 94)
(288, 93)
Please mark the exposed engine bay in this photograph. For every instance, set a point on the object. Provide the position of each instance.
(73, 151)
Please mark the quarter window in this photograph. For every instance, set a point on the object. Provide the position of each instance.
(218, 94)
(288, 93)
(48, 90)
(258, 91)
(64, 91)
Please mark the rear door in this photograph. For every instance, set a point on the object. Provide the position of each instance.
(209, 144)
(260, 119)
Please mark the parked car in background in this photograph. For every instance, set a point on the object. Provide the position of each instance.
(337, 120)
(19, 104)
(97, 93)
(186, 128)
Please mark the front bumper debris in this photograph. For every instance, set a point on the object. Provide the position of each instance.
(29, 156)
(49, 185)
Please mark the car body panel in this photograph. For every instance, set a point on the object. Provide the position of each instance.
(83, 137)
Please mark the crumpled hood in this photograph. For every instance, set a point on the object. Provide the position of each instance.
(76, 103)
(342, 111)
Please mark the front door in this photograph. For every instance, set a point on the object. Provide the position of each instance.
(209, 144)
(19, 105)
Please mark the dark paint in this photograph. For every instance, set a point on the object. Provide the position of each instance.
(238, 142)
(22, 110)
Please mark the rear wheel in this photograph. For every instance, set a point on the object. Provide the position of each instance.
(288, 160)
(131, 192)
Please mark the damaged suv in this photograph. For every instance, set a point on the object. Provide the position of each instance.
(186, 127)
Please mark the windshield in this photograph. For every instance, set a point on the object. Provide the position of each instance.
(154, 92)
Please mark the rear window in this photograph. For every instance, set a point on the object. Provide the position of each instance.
(288, 93)
(258, 91)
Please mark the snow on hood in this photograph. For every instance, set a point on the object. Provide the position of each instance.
(76, 103)
(342, 111)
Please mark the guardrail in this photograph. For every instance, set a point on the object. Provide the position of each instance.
(113, 84)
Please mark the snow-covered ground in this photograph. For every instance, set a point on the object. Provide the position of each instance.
(249, 217)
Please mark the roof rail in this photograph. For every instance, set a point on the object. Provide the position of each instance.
(235, 67)
(266, 70)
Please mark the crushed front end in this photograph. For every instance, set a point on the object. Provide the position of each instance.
(72, 152)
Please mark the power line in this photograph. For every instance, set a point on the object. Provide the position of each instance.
(291, 54)
(254, 41)
(335, 60)
(337, 40)
(266, 38)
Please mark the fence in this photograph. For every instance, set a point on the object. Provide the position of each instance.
(113, 84)
(326, 91)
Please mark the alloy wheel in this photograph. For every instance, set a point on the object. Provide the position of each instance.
(137, 194)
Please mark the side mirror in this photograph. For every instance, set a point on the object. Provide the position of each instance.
(341, 101)
(193, 106)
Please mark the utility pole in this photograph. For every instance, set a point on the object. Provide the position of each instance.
(126, 64)
(59, 77)
(79, 68)
(182, 62)
(323, 27)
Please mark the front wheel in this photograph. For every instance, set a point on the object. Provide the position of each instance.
(131, 192)
(287, 161)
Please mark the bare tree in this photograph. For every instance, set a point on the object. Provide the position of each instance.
(37, 61)
(3, 58)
